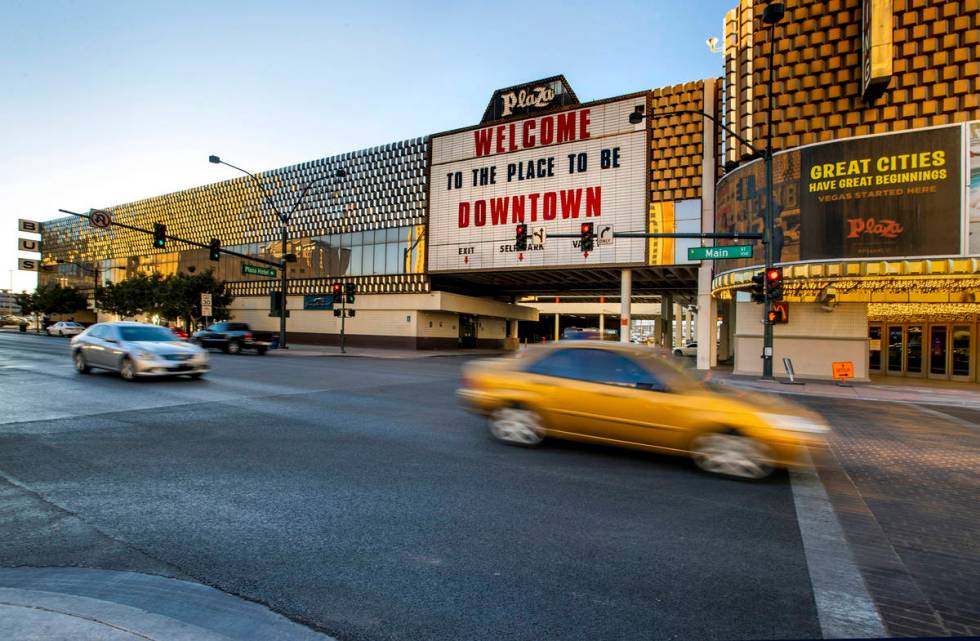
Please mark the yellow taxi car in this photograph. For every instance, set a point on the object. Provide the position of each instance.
(629, 396)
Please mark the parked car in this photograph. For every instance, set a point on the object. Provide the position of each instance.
(136, 350)
(689, 349)
(233, 338)
(65, 328)
(627, 396)
(179, 332)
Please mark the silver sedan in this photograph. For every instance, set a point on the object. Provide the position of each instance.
(137, 350)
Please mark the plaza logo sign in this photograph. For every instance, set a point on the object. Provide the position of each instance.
(537, 97)
(549, 94)
(884, 228)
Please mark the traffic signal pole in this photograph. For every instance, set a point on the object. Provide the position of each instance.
(282, 296)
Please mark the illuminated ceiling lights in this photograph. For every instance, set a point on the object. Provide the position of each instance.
(901, 312)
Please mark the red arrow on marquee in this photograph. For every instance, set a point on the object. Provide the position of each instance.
(586, 254)
(466, 259)
(520, 256)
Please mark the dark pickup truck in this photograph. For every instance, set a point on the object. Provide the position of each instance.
(233, 338)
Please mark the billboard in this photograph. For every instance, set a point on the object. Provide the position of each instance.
(882, 196)
(892, 195)
(551, 172)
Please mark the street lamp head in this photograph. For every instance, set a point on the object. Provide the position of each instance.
(214, 159)
(773, 12)
(636, 118)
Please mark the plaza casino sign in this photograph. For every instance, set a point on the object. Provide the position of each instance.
(551, 172)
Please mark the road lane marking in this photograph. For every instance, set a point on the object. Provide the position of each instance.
(844, 606)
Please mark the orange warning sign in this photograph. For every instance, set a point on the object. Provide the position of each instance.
(843, 370)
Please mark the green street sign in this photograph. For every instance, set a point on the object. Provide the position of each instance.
(255, 270)
(719, 253)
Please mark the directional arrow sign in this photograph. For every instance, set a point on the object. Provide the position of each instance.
(719, 253)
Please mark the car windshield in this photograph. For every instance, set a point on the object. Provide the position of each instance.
(145, 333)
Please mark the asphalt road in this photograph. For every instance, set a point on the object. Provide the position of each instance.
(356, 496)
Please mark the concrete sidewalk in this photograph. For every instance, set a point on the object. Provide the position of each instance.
(380, 352)
(78, 604)
(918, 391)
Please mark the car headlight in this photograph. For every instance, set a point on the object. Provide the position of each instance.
(145, 356)
(792, 423)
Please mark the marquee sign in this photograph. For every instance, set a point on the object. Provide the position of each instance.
(533, 97)
(551, 172)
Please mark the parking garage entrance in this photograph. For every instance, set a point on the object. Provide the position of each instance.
(586, 303)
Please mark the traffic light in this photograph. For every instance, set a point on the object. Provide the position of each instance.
(215, 249)
(159, 235)
(338, 293)
(759, 287)
(774, 277)
(587, 237)
(350, 291)
(520, 244)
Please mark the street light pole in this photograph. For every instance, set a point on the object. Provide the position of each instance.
(772, 15)
(284, 218)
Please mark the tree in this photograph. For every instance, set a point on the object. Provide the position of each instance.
(139, 294)
(181, 299)
(28, 303)
(52, 299)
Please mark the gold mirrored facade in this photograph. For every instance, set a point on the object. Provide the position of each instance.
(367, 227)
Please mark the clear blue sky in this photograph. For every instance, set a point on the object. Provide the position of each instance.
(108, 102)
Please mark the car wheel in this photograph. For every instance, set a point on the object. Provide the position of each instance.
(234, 347)
(127, 369)
(260, 351)
(732, 455)
(80, 365)
(516, 426)
(678, 352)
(61, 333)
(196, 375)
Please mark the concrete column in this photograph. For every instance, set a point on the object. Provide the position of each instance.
(626, 298)
(725, 345)
(694, 325)
(678, 316)
(513, 328)
(707, 310)
(667, 320)
(602, 324)
(707, 322)
(557, 316)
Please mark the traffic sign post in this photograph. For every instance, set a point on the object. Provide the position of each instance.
(100, 219)
(843, 371)
(206, 311)
(719, 252)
